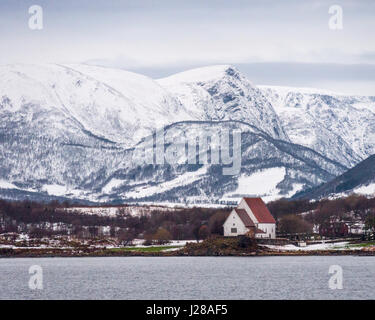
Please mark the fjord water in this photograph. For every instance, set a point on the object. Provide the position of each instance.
(189, 278)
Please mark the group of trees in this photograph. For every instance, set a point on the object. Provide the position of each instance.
(360, 206)
(294, 224)
(49, 219)
(283, 207)
(190, 223)
(347, 209)
(42, 219)
(370, 222)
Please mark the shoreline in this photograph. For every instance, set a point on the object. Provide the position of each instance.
(218, 246)
(46, 253)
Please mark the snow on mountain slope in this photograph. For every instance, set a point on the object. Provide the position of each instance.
(69, 131)
(263, 183)
(152, 107)
(289, 168)
(113, 104)
(359, 179)
(338, 126)
(222, 93)
(368, 189)
(67, 126)
(122, 106)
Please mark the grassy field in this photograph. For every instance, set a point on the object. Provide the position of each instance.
(145, 249)
(363, 244)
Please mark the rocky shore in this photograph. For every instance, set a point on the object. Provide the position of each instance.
(216, 246)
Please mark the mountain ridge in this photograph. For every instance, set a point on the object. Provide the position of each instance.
(338, 126)
(355, 180)
(70, 130)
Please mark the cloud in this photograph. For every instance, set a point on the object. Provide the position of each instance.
(158, 37)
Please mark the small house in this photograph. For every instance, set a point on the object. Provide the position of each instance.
(252, 218)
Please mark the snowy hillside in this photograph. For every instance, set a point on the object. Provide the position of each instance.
(359, 179)
(108, 103)
(70, 131)
(299, 168)
(338, 126)
(222, 93)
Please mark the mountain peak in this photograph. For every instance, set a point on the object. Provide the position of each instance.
(220, 93)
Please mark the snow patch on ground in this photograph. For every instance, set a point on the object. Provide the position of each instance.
(366, 190)
(55, 189)
(138, 243)
(296, 188)
(319, 246)
(114, 183)
(7, 185)
(262, 184)
(59, 190)
(184, 179)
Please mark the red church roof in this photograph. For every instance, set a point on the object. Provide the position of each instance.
(245, 218)
(259, 209)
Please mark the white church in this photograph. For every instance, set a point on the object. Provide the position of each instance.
(252, 218)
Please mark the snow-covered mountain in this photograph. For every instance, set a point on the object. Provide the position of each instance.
(70, 131)
(338, 126)
(222, 93)
(359, 180)
(269, 167)
(115, 105)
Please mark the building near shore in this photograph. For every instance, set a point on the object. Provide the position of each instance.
(251, 217)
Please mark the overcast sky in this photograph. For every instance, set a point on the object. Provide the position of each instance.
(272, 42)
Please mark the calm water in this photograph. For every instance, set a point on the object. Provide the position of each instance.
(189, 278)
